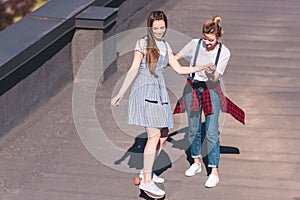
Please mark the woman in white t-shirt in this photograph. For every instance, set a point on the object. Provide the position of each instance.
(209, 48)
(149, 104)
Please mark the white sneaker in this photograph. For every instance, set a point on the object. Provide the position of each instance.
(212, 181)
(152, 188)
(155, 178)
(194, 169)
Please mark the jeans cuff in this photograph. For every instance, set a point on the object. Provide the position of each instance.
(212, 166)
(199, 156)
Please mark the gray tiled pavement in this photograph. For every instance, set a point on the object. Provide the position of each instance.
(45, 159)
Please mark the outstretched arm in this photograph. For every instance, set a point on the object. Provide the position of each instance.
(131, 74)
(178, 57)
(185, 70)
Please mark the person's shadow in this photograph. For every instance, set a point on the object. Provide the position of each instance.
(163, 162)
(184, 144)
(135, 156)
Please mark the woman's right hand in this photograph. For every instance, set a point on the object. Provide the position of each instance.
(116, 100)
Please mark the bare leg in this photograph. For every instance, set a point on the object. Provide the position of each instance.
(164, 136)
(150, 151)
(197, 161)
(214, 171)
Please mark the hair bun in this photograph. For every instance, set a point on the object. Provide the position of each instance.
(217, 19)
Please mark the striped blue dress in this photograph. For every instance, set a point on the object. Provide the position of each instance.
(149, 102)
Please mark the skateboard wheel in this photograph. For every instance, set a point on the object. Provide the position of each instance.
(136, 181)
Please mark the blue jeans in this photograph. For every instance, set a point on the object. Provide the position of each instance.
(211, 129)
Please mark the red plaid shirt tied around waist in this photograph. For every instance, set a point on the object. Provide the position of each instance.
(227, 106)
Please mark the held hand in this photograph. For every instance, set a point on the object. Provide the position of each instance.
(209, 74)
(116, 100)
(208, 71)
(210, 67)
(202, 67)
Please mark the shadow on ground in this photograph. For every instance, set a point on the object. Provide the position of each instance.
(184, 144)
(163, 162)
(135, 156)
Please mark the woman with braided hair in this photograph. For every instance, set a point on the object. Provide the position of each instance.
(203, 93)
(149, 104)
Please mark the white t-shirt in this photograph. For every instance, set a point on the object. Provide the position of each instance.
(141, 45)
(188, 52)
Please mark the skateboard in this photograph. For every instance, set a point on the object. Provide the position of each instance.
(148, 195)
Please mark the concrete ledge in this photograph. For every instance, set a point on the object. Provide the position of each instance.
(35, 59)
(108, 3)
(39, 54)
(23, 41)
(96, 17)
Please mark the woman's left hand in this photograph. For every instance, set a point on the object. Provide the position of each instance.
(116, 100)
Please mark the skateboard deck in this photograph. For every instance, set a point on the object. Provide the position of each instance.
(154, 196)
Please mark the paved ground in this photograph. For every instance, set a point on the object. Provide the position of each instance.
(47, 160)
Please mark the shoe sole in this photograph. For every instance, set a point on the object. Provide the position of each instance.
(144, 189)
(211, 186)
(207, 186)
(197, 172)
